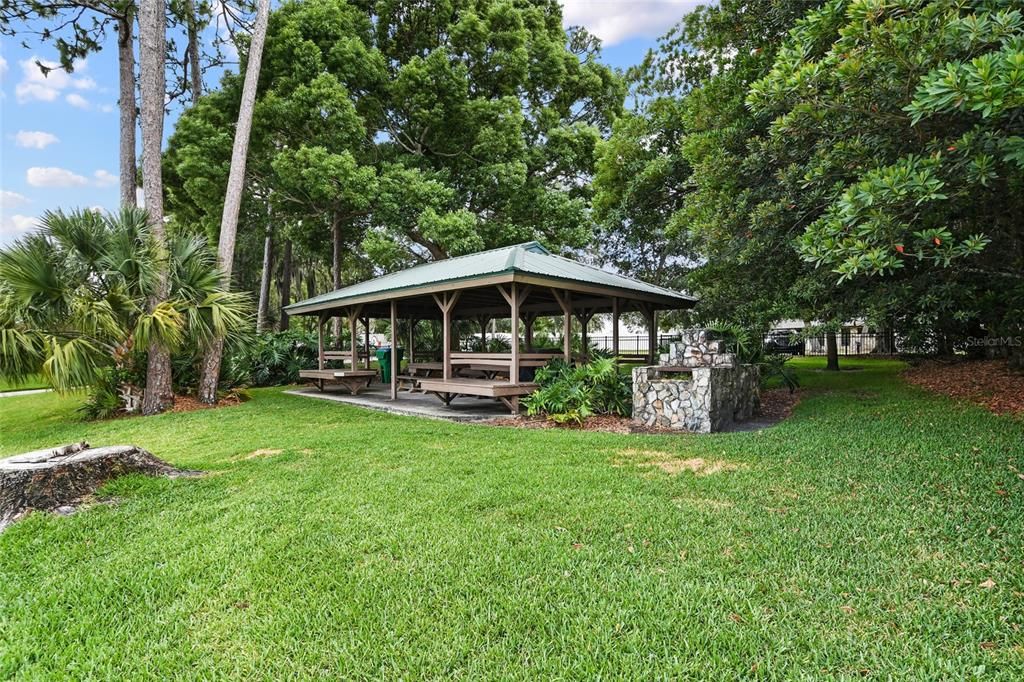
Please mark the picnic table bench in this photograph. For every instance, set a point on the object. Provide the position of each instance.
(354, 380)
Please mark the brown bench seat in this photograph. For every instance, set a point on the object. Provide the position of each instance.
(506, 392)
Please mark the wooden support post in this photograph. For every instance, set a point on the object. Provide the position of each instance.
(615, 326)
(353, 316)
(565, 303)
(513, 373)
(412, 339)
(394, 350)
(353, 344)
(446, 302)
(528, 320)
(584, 318)
(320, 342)
(366, 341)
(652, 336)
(483, 320)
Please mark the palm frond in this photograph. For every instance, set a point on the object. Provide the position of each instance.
(163, 327)
(74, 363)
(225, 314)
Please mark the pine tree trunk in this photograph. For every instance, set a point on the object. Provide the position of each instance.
(285, 289)
(832, 352)
(336, 271)
(233, 196)
(152, 51)
(127, 107)
(263, 309)
(194, 72)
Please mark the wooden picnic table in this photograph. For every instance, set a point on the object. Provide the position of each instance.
(353, 380)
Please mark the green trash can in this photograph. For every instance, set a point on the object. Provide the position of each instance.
(384, 362)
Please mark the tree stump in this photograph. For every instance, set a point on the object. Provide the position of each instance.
(62, 476)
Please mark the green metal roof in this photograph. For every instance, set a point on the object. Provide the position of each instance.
(530, 258)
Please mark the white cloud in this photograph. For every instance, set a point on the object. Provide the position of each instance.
(53, 177)
(76, 100)
(3, 66)
(34, 139)
(614, 21)
(9, 200)
(12, 227)
(34, 86)
(106, 108)
(104, 178)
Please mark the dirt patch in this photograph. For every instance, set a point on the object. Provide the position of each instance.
(703, 502)
(671, 464)
(189, 403)
(777, 404)
(262, 452)
(989, 383)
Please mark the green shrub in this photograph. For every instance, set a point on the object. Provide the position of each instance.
(749, 350)
(104, 396)
(272, 358)
(572, 393)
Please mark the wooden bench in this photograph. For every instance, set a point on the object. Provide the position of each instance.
(337, 356)
(353, 380)
(408, 382)
(504, 391)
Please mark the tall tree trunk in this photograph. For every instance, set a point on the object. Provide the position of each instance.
(126, 106)
(263, 309)
(152, 50)
(284, 290)
(832, 352)
(192, 50)
(336, 270)
(210, 375)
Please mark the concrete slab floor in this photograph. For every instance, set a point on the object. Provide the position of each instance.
(378, 397)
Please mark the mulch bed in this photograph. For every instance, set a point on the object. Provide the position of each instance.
(190, 403)
(990, 383)
(776, 404)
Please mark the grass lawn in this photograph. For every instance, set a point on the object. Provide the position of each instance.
(877, 532)
(34, 381)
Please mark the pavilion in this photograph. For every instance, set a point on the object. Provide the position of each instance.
(520, 283)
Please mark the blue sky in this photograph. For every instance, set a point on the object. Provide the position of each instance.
(59, 134)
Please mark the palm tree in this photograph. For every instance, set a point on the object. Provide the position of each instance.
(75, 298)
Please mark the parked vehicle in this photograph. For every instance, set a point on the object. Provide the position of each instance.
(784, 341)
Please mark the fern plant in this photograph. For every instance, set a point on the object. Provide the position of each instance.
(570, 393)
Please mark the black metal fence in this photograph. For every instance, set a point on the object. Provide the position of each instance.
(632, 344)
(785, 341)
(848, 342)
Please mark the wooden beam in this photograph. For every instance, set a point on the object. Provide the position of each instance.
(513, 374)
(353, 343)
(505, 293)
(412, 339)
(366, 342)
(528, 320)
(483, 320)
(615, 326)
(320, 342)
(446, 301)
(652, 335)
(584, 317)
(565, 302)
(394, 349)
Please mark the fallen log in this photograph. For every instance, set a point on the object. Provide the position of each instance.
(63, 476)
